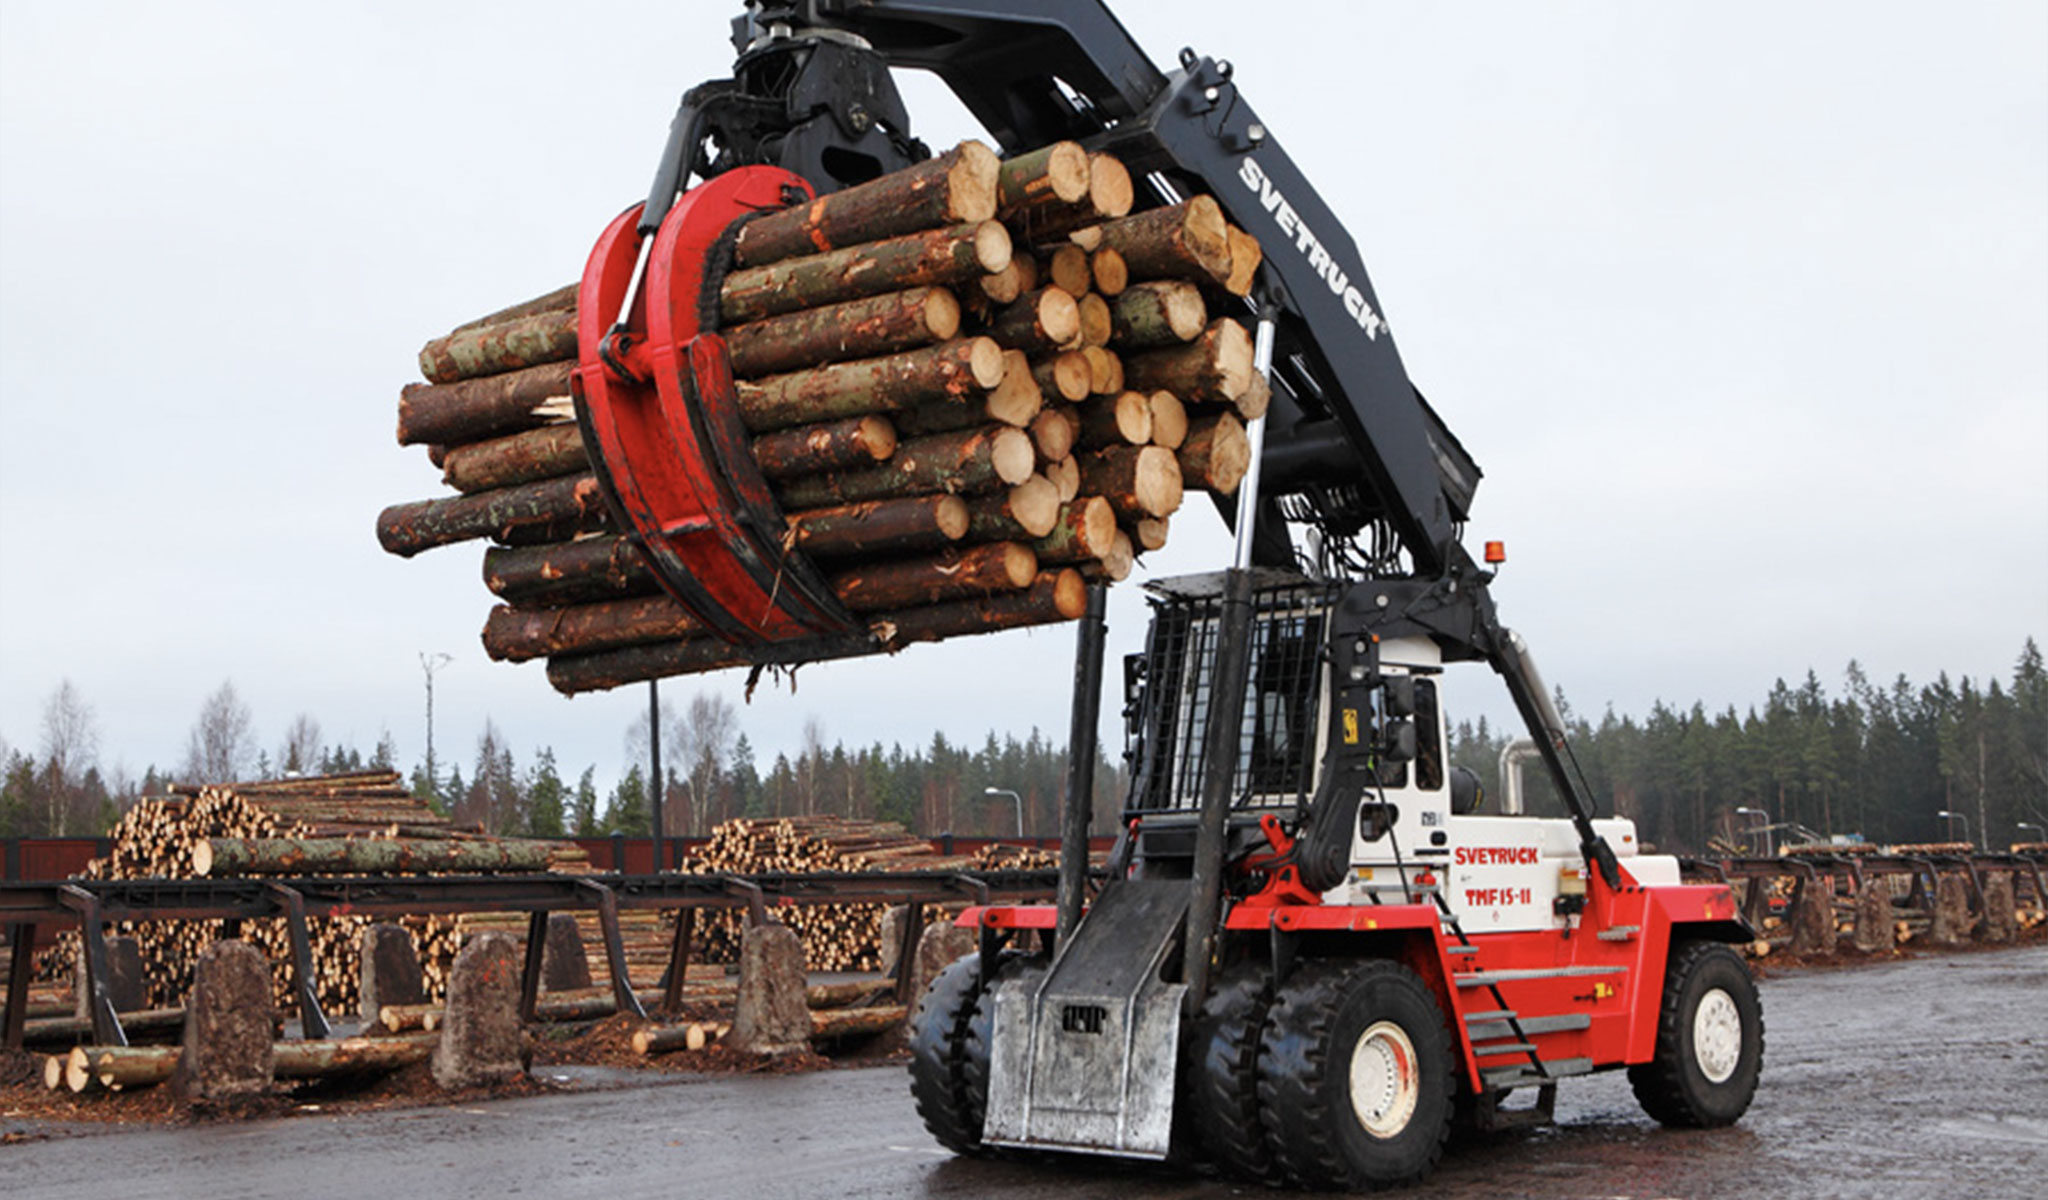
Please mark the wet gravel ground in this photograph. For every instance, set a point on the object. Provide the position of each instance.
(1924, 1077)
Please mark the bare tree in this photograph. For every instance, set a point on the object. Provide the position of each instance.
(71, 746)
(301, 749)
(221, 746)
(813, 760)
(702, 740)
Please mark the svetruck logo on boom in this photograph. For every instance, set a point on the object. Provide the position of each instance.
(1319, 259)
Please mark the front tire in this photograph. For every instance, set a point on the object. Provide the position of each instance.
(1710, 1041)
(938, 1035)
(1217, 1113)
(950, 1047)
(1355, 1076)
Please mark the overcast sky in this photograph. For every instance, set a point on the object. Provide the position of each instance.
(1742, 307)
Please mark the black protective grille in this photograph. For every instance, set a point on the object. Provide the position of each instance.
(1280, 738)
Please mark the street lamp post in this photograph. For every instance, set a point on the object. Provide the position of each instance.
(1761, 826)
(1952, 818)
(1019, 800)
(2019, 825)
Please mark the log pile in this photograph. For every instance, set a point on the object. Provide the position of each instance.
(836, 937)
(363, 823)
(971, 385)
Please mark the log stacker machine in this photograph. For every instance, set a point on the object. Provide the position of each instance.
(1315, 952)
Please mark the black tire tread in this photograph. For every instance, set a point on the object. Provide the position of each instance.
(937, 1036)
(1661, 1085)
(1219, 1079)
(1293, 1064)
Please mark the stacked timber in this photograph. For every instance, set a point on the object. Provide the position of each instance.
(360, 823)
(972, 386)
(836, 937)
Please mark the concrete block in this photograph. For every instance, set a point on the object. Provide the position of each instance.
(2001, 914)
(940, 946)
(1875, 930)
(1952, 922)
(481, 1042)
(390, 970)
(564, 965)
(229, 1023)
(1813, 921)
(770, 1015)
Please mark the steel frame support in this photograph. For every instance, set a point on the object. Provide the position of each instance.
(678, 962)
(106, 1026)
(614, 947)
(1083, 742)
(1219, 771)
(21, 967)
(530, 969)
(305, 988)
(907, 939)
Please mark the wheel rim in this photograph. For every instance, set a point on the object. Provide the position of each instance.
(1717, 1036)
(1386, 1080)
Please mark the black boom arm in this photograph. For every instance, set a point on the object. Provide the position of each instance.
(1349, 443)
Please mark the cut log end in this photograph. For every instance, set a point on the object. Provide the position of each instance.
(972, 182)
(985, 362)
(1070, 594)
(1014, 457)
(1069, 271)
(1018, 399)
(941, 313)
(1109, 186)
(1169, 421)
(992, 246)
(1066, 374)
(1096, 326)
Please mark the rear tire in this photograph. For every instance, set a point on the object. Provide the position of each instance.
(1710, 1040)
(938, 1033)
(1355, 1076)
(1217, 1112)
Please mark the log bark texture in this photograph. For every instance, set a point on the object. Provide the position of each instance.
(1216, 454)
(474, 409)
(952, 575)
(1025, 512)
(407, 529)
(1056, 595)
(1084, 530)
(957, 187)
(1186, 240)
(295, 856)
(506, 346)
(545, 453)
(827, 446)
(953, 370)
(1138, 481)
(866, 328)
(518, 634)
(1164, 312)
(599, 568)
(880, 527)
(1214, 368)
(936, 257)
(964, 463)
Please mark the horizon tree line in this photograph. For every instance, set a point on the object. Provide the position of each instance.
(1880, 762)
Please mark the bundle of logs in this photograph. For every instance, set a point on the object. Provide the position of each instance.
(364, 823)
(836, 937)
(972, 385)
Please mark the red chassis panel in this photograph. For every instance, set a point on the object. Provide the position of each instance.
(1622, 1002)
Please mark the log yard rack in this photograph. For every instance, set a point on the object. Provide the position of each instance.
(91, 904)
